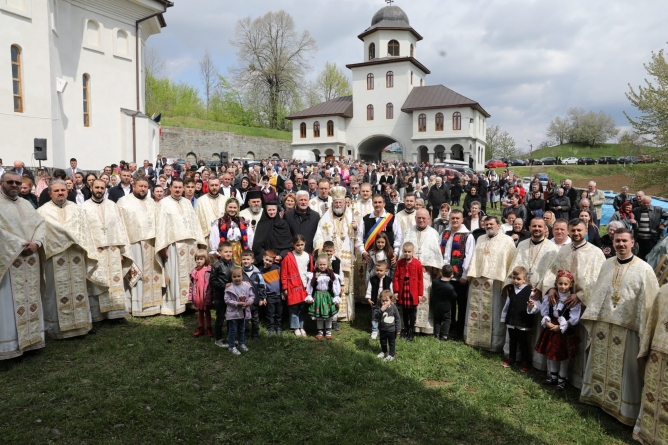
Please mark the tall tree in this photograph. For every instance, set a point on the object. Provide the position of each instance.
(558, 130)
(500, 144)
(272, 61)
(208, 74)
(333, 82)
(590, 128)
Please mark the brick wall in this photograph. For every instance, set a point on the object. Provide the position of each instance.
(180, 142)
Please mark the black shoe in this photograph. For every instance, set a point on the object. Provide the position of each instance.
(335, 326)
(444, 338)
(562, 385)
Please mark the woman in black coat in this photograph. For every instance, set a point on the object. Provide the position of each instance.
(271, 233)
(536, 206)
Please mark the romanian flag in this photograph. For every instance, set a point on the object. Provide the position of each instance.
(376, 229)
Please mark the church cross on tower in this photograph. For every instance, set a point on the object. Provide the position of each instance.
(389, 2)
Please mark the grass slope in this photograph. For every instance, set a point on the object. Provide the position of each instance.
(578, 151)
(559, 172)
(150, 381)
(190, 122)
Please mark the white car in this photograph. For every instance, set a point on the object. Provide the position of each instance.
(571, 161)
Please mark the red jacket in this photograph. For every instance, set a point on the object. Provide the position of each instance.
(413, 271)
(291, 281)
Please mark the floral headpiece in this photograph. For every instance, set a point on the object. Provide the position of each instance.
(565, 273)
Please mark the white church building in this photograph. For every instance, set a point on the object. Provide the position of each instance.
(391, 102)
(72, 72)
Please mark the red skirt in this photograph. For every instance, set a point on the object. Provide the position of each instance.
(557, 346)
(406, 300)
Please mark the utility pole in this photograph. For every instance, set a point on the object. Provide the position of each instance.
(530, 157)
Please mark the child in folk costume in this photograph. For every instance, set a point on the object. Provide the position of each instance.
(380, 251)
(294, 278)
(239, 298)
(386, 315)
(335, 265)
(200, 292)
(233, 229)
(408, 288)
(558, 340)
(324, 296)
(378, 283)
(517, 317)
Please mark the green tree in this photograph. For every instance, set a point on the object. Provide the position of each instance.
(500, 144)
(333, 82)
(558, 130)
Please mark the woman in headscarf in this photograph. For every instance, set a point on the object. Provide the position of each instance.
(271, 233)
(232, 228)
(625, 216)
(268, 192)
(242, 190)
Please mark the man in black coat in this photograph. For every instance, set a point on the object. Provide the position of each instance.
(570, 192)
(650, 222)
(438, 195)
(122, 189)
(20, 169)
(302, 220)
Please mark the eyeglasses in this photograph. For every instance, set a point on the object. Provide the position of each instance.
(13, 182)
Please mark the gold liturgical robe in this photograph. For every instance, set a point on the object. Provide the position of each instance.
(488, 269)
(66, 303)
(114, 260)
(139, 219)
(21, 284)
(406, 220)
(178, 231)
(617, 308)
(208, 210)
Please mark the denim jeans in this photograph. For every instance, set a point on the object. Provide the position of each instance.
(236, 328)
(374, 323)
(296, 316)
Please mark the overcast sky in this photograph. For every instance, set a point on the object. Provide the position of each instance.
(524, 61)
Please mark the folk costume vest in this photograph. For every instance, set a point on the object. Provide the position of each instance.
(458, 250)
(376, 286)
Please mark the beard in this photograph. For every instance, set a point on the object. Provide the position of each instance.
(338, 212)
(491, 233)
(255, 209)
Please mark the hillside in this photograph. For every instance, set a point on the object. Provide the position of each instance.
(578, 151)
(191, 122)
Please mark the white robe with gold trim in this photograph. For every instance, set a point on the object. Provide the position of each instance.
(406, 220)
(318, 205)
(360, 209)
(208, 210)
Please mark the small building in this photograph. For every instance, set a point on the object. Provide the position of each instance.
(72, 72)
(391, 103)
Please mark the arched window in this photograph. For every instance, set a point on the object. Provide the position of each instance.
(422, 123)
(17, 83)
(421, 82)
(369, 112)
(412, 50)
(92, 33)
(369, 82)
(389, 79)
(122, 42)
(86, 99)
(302, 130)
(393, 48)
(457, 120)
(330, 129)
(439, 121)
(389, 111)
(411, 77)
(372, 51)
(316, 129)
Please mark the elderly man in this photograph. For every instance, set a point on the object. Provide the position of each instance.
(113, 255)
(489, 267)
(20, 169)
(621, 198)
(615, 316)
(637, 200)
(560, 233)
(439, 194)
(123, 189)
(585, 204)
(650, 224)
(323, 201)
(210, 207)
(287, 189)
(138, 213)
(226, 189)
(21, 267)
(597, 199)
(570, 192)
(427, 249)
(302, 220)
(253, 213)
(406, 217)
(299, 182)
(177, 237)
(340, 226)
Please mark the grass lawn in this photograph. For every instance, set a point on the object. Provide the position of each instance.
(579, 151)
(190, 122)
(149, 381)
(574, 172)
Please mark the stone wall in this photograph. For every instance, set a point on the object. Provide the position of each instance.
(192, 143)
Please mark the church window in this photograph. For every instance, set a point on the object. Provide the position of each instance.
(421, 82)
(412, 50)
(389, 79)
(439, 121)
(411, 77)
(369, 112)
(17, 83)
(457, 120)
(92, 33)
(302, 130)
(122, 42)
(372, 51)
(330, 129)
(316, 129)
(369, 82)
(86, 99)
(422, 123)
(389, 111)
(393, 48)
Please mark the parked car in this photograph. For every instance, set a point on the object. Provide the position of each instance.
(607, 160)
(627, 160)
(449, 173)
(516, 163)
(646, 159)
(586, 161)
(544, 178)
(546, 161)
(569, 161)
(495, 163)
(213, 165)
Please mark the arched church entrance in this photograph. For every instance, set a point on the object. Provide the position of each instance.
(316, 153)
(439, 153)
(329, 155)
(374, 148)
(457, 152)
(423, 154)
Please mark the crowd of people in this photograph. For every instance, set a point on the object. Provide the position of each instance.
(280, 243)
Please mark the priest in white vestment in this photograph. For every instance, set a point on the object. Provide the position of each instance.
(584, 261)
(406, 217)
(21, 267)
(323, 202)
(536, 256)
(106, 288)
(66, 302)
(253, 212)
(339, 226)
(210, 207)
(138, 212)
(361, 205)
(617, 309)
(427, 249)
(489, 267)
(177, 237)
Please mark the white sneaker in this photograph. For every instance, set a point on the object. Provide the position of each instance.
(374, 335)
(244, 348)
(389, 358)
(222, 344)
(298, 332)
(304, 333)
(235, 351)
(381, 355)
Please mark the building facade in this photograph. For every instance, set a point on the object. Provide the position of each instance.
(72, 72)
(392, 103)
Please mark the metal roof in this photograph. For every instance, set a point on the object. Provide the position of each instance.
(391, 59)
(438, 96)
(341, 106)
(390, 17)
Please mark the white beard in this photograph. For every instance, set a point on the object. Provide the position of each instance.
(338, 212)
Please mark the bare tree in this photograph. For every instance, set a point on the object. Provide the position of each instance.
(272, 60)
(208, 73)
(500, 145)
(558, 130)
(154, 64)
(333, 82)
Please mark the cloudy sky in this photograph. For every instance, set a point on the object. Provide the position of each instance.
(524, 61)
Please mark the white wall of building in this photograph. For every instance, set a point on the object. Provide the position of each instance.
(382, 38)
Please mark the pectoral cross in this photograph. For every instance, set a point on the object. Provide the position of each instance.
(104, 230)
(326, 228)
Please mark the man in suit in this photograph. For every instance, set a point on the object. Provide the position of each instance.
(122, 189)
(439, 194)
(73, 170)
(20, 169)
(570, 192)
(371, 176)
(149, 173)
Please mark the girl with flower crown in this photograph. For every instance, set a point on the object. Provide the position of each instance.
(232, 228)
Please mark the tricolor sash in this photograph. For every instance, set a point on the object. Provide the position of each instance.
(376, 229)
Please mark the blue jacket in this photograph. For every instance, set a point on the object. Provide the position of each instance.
(255, 279)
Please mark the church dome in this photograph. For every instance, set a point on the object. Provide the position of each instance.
(390, 16)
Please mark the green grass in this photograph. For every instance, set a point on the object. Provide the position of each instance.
(149, 381)
(579, 151)
(190, 122)
(559, 172)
